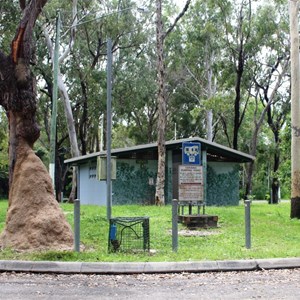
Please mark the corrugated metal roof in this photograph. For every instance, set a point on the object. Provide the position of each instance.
(212, 148)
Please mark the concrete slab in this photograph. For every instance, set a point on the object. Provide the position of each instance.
(56, 267)
(112, 268)
(16, 265)
(40, 266)
(278, 263)
(237, 265)
(146, 267)
(203, 266)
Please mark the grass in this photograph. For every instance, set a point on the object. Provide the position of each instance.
(274, 234)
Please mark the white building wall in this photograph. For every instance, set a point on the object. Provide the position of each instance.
(91, 190)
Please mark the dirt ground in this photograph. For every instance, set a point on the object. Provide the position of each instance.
(271, 284)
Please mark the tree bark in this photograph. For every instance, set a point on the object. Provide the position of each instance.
(161, 99)
(162, 109)
(72, 133)
(34, 219)
(295, 110)
(275, 180)
(211, 90)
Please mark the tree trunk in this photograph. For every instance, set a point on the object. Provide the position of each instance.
(295, 110)
(162, 110)
(237, 101)
(83, 124)
(161, 99)
(72, 133)
(34, 219)
(64, 94)
(250, 170)
(211, 89)
(275, 179)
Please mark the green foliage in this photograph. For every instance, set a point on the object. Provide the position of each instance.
(3, 155)
(225, 242)
(208, 33)
(9, 18)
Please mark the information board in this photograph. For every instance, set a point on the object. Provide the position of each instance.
(190, 174)
(190, 183)
(191, 192)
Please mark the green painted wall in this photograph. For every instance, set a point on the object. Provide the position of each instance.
(132, 183)
(169, 178)
(222, 184)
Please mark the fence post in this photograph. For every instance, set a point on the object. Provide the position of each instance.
(77, 225)
(175, 225)
(247, 224)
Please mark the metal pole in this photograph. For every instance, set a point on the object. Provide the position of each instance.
(175, 225)
(108, 129)
(204, 170)
(247, 224)
(54, 102)
(77, 225)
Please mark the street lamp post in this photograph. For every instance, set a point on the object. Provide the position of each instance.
(108, 129)
(54, 102)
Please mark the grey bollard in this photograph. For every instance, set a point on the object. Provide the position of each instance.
(77, 225)
(247, 224)
(175, 225)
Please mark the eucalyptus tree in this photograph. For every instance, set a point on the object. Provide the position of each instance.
(238, 33)
(295, 109)
(67, 47)
(122, 24)
(9, 15)
(135, 91)
(269, 88)
(34, 219)
(198, 54)
(161, 97)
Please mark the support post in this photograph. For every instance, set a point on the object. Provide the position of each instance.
(175, 225)
(204, 166)
(77, 225)
(54, 101)
(247, 224)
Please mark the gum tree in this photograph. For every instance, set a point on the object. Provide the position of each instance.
(34, 218)
(295, 109)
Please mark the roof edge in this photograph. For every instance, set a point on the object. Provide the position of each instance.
(154, 145)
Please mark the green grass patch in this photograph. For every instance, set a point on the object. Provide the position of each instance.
(274, 234)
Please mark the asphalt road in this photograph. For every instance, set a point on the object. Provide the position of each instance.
(265, 284)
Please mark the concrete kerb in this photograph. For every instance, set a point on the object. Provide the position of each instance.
(146, 267)
(278, 263)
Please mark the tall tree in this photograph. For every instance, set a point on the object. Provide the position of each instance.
(34, 219)
(237, 18)
(161, 98)
(200, 55)
(64, 90)
(162, 108)
(295, 108)
(259, 117)
(269, 75)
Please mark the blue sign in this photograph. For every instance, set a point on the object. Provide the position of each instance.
(191, 153)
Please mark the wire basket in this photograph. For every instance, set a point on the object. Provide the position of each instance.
(129, 234)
